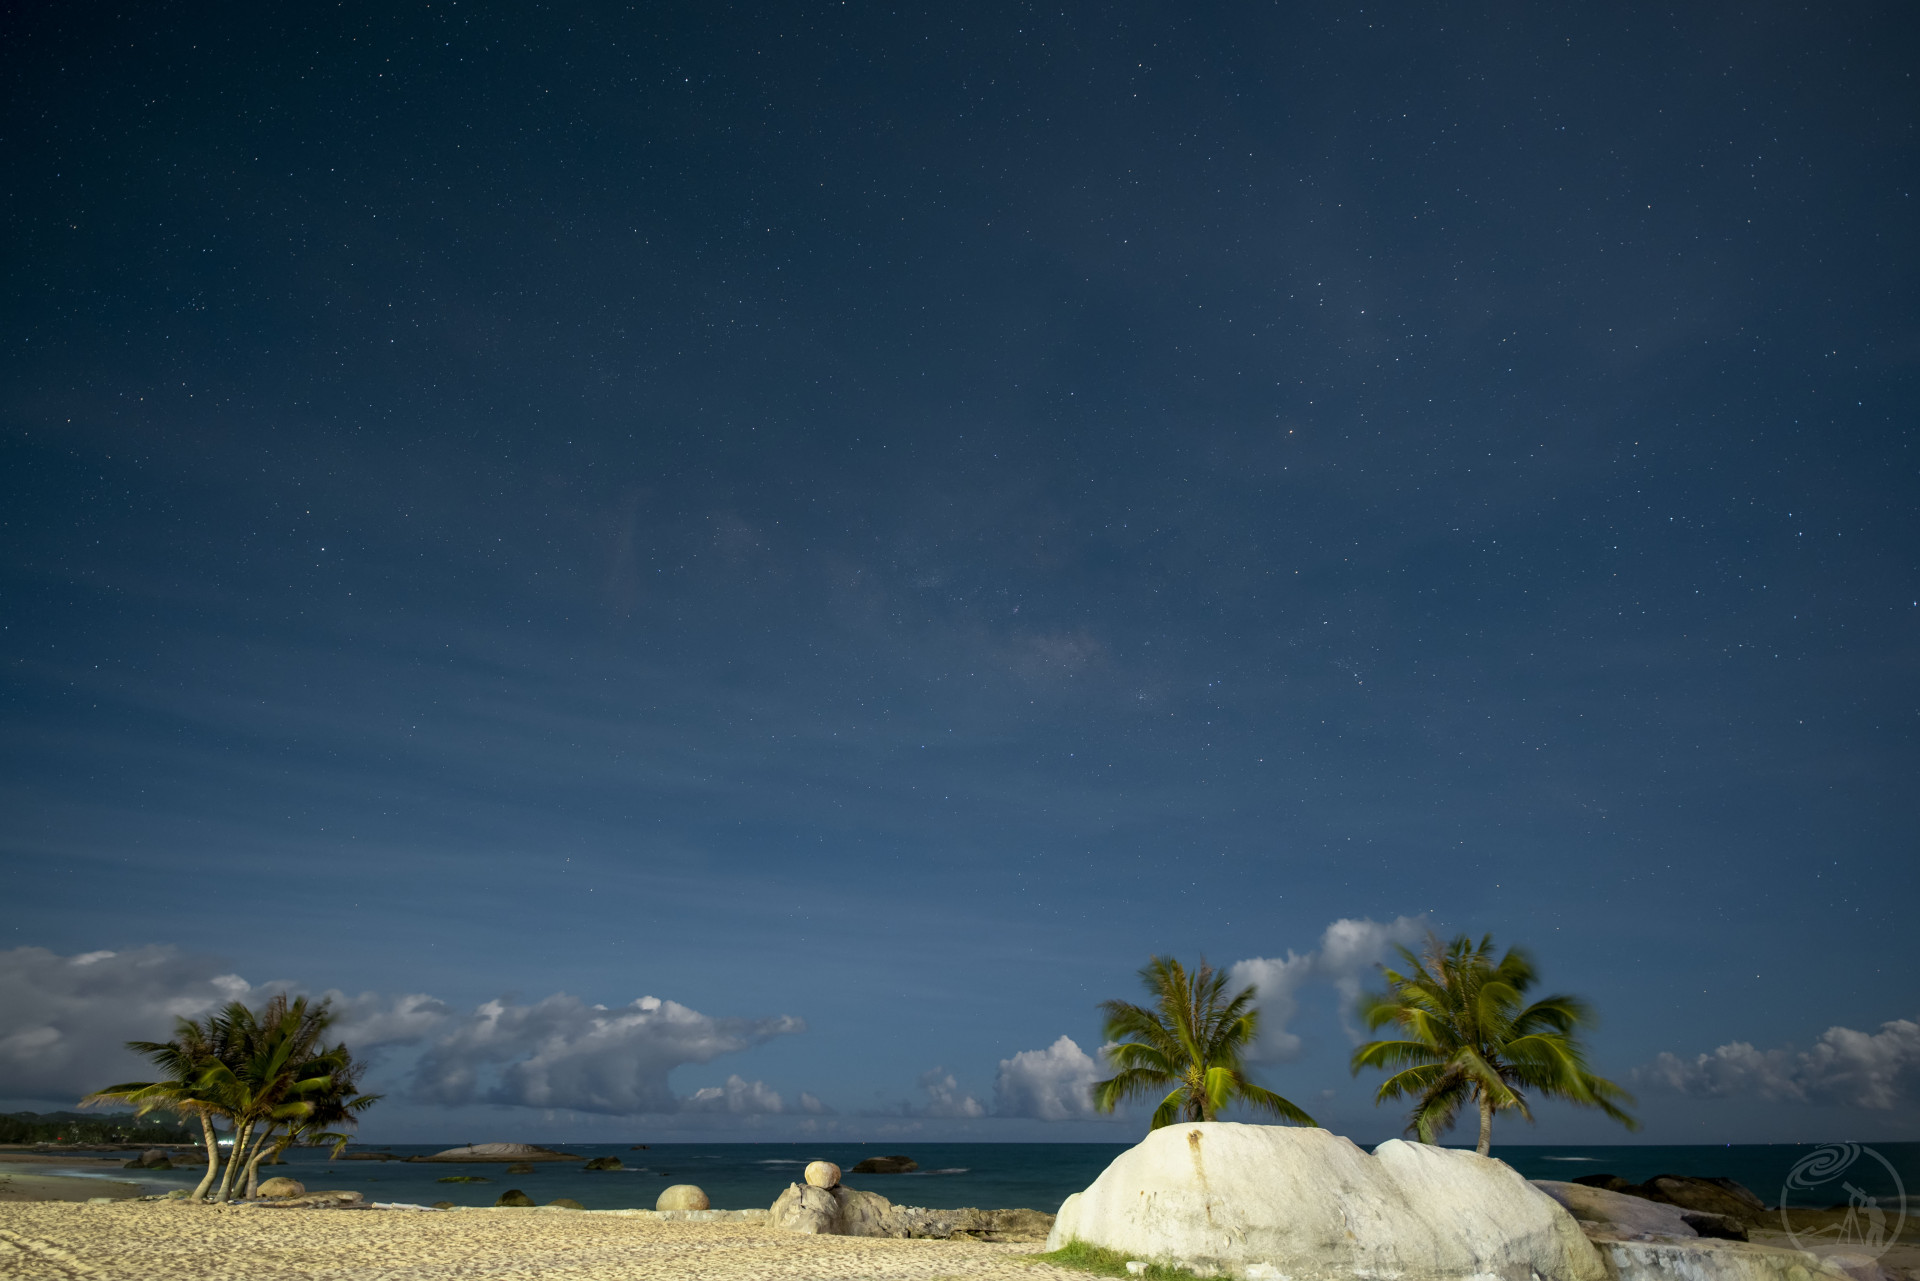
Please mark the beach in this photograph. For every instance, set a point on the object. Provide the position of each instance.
(28, 1176)
(158, 1241)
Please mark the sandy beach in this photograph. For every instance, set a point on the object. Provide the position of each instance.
(159, 1241)
(29, 1176)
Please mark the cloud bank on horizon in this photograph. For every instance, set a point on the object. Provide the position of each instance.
(66, 1019)
(1877, 1071)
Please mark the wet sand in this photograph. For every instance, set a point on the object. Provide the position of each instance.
(161, 1241)
(28, 1176)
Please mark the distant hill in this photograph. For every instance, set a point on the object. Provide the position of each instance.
(94, 1127)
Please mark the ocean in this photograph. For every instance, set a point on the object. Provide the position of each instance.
(1032, 1175)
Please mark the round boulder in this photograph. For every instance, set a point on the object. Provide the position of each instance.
(564, 1203)
(443, 1205)
(514, 1197)
(823, 1174)
(274, 1189)
(683, 1196)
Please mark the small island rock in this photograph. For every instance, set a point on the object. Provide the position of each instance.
(604, 1163)
(886, 1165)
(514, 1197)
(683, 1196)
(823, 1174)
(282, 1187)
(502, 1152)
(520, 1167)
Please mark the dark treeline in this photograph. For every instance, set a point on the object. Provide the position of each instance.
(76, 1127)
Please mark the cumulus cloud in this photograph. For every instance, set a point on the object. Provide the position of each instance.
(945, 1097)
(1054, 1084)
(1875, 1070)
(1348, 952)
(64, 1020)
(563, 1053)
(370, 1021)
(738, 1096)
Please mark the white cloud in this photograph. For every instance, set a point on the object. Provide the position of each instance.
(945, 1098)
(563, 1053)
(1348, 952)
(738, 1096)
(1054, 1084)
(369, 1020)
(64, 1020)
(1876, 1070)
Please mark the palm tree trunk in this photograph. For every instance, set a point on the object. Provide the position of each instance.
(1486, 1124)
(213, 1158)
(260, 1150)
(236, 1160)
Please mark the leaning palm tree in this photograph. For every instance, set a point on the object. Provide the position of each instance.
(183, 1060)
(273, 1067)
(1192, 1040)
(324, 1102)
(1466, 1037)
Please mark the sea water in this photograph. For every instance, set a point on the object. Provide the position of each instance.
(1035, 1176)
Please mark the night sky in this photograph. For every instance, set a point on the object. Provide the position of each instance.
(867, 522)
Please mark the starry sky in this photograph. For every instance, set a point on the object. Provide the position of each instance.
(864, 523)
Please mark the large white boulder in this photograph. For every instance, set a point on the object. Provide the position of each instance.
(1273, 1203)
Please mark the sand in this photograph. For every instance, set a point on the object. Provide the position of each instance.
(26, 1177)
(162, 1241)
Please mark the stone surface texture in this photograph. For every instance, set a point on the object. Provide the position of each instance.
(683, 1196)
(844, 1211)
(822, 1174)
(1629, 1215)
(1262, 1201)
(282, 1186)
(1698, 1260)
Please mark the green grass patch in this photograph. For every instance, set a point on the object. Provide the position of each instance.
(1101, 1262)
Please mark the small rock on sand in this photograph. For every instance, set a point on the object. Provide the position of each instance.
(282, 1186)
(514, 1197)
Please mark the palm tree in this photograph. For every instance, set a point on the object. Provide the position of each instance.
(1192, 1039)
(183, 1059)
(1466, 1036)
(318, 1111)
(274, 1068)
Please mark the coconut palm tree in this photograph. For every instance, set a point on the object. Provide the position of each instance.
(183, 1060)
(320, 1115)
(275, 1066)
(1466, 1036)
(1192, 1040)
